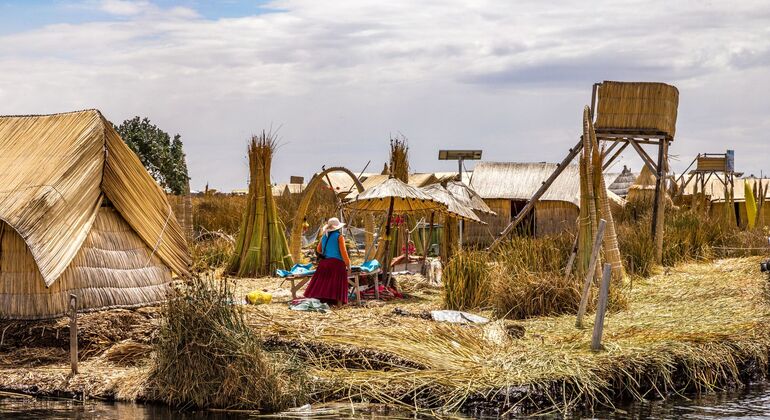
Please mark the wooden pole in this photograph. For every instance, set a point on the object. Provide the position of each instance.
(73, 334)
(659, 206)
(386, 264)
(427, 245)
(590, 274)
(574, 151)
(601, 309)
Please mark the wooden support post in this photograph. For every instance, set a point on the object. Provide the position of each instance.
(601, 308)
(73, 335)
(659, 206)
(645, 157)
(608, 162)
(574, 151)
(590, 274)
(427, 244)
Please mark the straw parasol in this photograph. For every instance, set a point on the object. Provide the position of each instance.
(394, 196)
(470, 197)
(455, 206)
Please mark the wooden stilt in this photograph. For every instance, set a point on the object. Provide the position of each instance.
(73, 335)
(659, 205)
(601, 308)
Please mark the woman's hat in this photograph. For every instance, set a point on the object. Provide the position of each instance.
(333, 224)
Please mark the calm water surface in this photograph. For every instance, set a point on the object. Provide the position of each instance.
(750, 403)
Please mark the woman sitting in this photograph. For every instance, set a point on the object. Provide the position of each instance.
(330, 281)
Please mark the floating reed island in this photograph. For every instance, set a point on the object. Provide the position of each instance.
(698, 327)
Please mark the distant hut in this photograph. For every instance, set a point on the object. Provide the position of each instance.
(506, 187)
(622, 182)
(719, 206)
(417, 180)
(642, 191)
(80, 215)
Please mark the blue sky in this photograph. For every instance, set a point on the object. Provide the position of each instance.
(339, 77)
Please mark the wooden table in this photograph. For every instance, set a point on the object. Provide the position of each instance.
(299, 281)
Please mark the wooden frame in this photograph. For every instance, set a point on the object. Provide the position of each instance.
(298, 282)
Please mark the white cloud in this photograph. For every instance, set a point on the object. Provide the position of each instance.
(340, 76)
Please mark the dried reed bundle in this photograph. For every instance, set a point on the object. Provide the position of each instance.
(637, 106)
(399, 158)
(261, 247)
(610, 241)
(206, 356)
(587, 223)
(466, 280)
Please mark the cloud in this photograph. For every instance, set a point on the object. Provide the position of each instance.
(340, 76)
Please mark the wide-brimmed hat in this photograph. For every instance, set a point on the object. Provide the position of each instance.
(333, 224)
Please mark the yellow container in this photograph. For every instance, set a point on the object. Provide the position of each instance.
(258, 297)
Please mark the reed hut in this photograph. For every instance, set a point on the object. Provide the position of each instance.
(620, 183)
(506, 187)
(79, 214)
(720, 205)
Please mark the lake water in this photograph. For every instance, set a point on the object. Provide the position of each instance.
(750, 403)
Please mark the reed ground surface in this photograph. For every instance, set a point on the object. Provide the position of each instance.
(696, 327)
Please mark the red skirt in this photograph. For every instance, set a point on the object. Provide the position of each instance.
(330, 282)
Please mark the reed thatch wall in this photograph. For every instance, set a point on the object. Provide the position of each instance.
(551, 217)
(637, 107)
(114, 268)
(719, 209)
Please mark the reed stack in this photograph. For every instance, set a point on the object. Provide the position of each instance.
(261, 247)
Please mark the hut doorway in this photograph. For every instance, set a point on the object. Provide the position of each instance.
(527, 225)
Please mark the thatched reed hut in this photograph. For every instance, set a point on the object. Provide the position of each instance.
(620, 183)
(719, 206)
(80, 215)
(506, 187)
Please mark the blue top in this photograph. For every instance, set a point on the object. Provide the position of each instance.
(330, 245)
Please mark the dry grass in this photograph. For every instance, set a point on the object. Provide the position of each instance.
(207, 357)
(694, 329)
(466, 280)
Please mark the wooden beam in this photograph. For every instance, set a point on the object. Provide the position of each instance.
(601, 308)
(659, 208)
(590, 274)
(610, 148)
(574, 151)
(73, 335)
(615, 156)
(645, 157)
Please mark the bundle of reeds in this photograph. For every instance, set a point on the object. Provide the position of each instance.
(637, 106)
(466, 280)
(399, 158)
(610, 241)
(206, 356)
(261, 247)
(587, 225)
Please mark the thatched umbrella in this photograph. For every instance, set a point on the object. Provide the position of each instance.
(470, 197)
(394, 196)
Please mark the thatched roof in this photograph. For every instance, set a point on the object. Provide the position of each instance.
(455, 207)
(406, 198)
(519, 181)
(55, 171)
(469, 196)
(620, 184)
(416, 180)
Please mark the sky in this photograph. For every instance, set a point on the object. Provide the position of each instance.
(336, 79)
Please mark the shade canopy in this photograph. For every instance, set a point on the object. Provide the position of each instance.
(469, 197)
(455, 207)
(405, 199)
